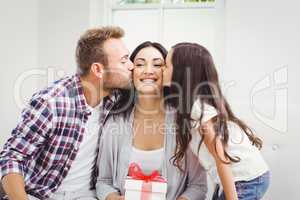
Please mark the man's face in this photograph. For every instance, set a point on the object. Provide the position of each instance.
(118, 72)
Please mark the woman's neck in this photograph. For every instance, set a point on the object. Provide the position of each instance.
(149, 106)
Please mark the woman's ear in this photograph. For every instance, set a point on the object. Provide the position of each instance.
(97, 69)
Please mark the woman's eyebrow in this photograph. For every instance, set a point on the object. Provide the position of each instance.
(154, 59)
(142, 59)
(159, 59)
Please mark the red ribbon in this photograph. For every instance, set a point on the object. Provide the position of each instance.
(136, 173)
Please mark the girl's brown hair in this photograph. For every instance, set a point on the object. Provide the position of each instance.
(195, 77)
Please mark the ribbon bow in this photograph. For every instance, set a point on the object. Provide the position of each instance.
(136, 172)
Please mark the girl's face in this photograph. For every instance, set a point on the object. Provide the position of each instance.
(169, 69)
(148, 71)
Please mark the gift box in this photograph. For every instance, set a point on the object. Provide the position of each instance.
(139, 186)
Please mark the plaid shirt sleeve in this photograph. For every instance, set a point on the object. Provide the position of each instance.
(27, 137)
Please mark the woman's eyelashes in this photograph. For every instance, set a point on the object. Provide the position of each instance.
(139, 64)
(156, 65)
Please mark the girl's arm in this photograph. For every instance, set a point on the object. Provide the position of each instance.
(224, 169)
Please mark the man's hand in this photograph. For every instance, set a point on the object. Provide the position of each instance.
(14, 186)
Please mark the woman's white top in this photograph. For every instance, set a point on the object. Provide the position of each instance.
(252, 163)
(148, 160)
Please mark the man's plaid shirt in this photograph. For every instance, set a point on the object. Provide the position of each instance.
(46, 140)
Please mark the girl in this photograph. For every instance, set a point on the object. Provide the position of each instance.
(230, 152)
(144, 134)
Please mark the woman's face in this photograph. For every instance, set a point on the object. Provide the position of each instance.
(148, 71)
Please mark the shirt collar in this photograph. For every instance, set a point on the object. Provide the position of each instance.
(81, 103)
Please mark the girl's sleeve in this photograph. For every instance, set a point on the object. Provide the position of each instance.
(208, 111)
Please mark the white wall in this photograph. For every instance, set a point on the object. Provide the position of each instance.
(261, 37)
(60, 24)
(18, 53)
(38, 40)
(52, 28)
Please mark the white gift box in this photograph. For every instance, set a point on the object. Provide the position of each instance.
(142, 190)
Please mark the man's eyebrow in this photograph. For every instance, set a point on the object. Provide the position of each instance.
(125, 56)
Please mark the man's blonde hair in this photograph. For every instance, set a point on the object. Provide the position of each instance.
(90, 47)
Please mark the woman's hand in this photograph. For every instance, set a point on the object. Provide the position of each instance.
(182, 198)
(114, 196)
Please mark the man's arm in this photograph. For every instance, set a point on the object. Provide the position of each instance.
(26, 140)
(12, 181)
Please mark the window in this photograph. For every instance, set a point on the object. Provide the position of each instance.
(170, 22)
(137, 1)
(121, 2)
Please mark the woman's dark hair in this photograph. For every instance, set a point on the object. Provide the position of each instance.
(194, 77)
(128, 96)
(146, 44)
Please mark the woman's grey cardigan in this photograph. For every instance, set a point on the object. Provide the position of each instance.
(115, 150)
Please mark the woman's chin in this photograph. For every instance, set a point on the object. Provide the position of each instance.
(149, 91)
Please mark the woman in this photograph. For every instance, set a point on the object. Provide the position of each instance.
(230, 152)
(144, 133)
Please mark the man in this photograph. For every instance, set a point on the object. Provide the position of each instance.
(52, 151)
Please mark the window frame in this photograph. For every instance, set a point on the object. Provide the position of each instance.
(109, 6)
